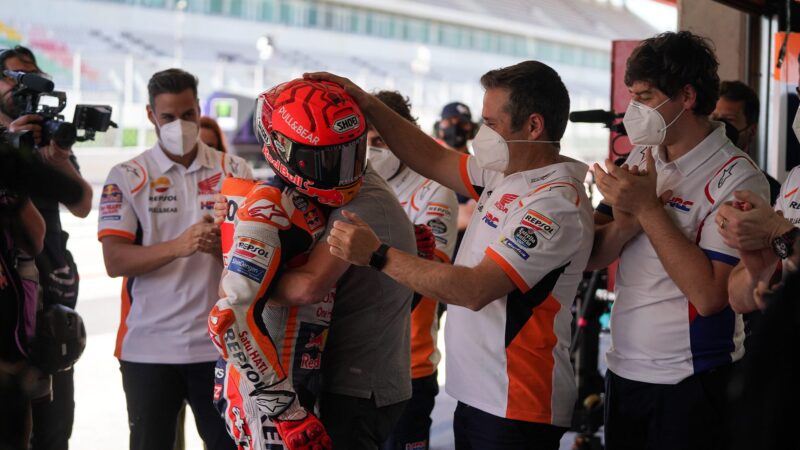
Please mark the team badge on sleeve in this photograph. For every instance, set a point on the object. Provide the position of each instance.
(111, 194)
(516, 248)
(545, 226)
(251, 258)
(525, 237)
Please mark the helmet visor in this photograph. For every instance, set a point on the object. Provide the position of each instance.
(328, 166)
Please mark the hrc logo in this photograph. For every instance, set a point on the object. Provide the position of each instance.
(680, 204)
(491, 220)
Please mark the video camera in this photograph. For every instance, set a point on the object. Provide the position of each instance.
(28, 98)
(607, 118)
(23, 174)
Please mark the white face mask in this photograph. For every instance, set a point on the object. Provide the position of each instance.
(178, 137)
(491, 150)
(645, 125)
(383, 161)
(796, 124)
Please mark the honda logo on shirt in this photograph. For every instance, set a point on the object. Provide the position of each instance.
(502, 204)
(209, 185)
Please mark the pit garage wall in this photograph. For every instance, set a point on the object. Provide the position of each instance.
(726, 27)
(745, 46)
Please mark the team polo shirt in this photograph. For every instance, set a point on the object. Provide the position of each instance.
(427, 202)
(511, 358)
(789, 199)
(150, 200)
(657, 336)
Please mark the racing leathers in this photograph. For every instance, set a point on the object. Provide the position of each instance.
(270, 354)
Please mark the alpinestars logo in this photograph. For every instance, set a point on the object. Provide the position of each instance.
(266, 210)
(275, 402)
(726, 174)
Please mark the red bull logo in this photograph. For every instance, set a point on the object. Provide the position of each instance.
(317, 341)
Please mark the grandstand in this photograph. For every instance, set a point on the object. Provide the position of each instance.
(419, 47)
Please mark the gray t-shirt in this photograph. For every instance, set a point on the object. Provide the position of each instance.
(368, 348)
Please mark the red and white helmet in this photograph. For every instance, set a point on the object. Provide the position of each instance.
(315, 138)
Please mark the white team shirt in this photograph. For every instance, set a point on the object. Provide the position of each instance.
(511, 358)
(150, 200)
(427, 202)
(789, 199)
(656, 334)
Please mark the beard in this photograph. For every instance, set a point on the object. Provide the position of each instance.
(9, 106)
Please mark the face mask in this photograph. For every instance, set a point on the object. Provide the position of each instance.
(178, 137)
(454, 136)
(383, 161)
(645, 125)
(796, 124)
(491, 150)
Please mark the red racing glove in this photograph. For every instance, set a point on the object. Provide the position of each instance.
(426, 243)
(303, 434)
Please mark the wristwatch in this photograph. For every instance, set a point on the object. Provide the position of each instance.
(378, 259)
(783, 245)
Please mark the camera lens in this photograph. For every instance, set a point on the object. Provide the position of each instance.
(64, 133)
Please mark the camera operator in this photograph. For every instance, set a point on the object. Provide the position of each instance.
(52, 421)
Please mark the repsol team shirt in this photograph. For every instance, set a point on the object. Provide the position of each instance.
(789, 199)
(151, 200)
(657, 336)
(427, 202)
(511, 358)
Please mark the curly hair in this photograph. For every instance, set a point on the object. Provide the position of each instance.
(670, 61)
(399, 104)
(534, 87)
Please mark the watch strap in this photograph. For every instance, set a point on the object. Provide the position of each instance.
(378, 258)
(783, 245)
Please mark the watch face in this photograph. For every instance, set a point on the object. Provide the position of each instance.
(780, 248)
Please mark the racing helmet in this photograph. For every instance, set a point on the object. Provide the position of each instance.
(314, 136)
(60, 339)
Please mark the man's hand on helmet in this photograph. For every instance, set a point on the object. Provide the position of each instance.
(359, 95)
(304, 434)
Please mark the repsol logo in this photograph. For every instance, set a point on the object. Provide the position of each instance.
(163, 198)
(346, 124)
(794, 205)
(253, 249)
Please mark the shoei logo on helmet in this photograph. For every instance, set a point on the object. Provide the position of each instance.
(345, 124)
